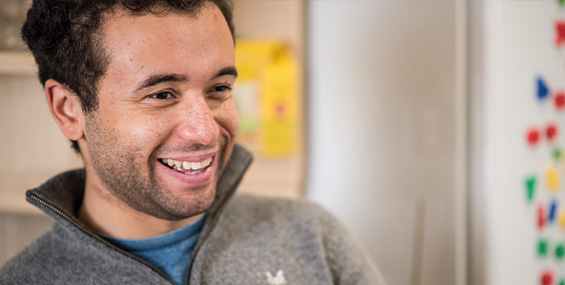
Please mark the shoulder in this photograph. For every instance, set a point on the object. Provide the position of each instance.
(295, 219)
(278, 210)
(28, 266)
(276, 205)
(296, 235)
(65, 256)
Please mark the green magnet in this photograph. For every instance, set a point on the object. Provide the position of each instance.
(542, 247)
(559, 251)
(562, 282)
(562, 3)
(530, 187)
(557, 151)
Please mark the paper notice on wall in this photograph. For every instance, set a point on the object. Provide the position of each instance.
(266, 95)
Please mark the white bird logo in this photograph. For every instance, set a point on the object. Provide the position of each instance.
(278, 279)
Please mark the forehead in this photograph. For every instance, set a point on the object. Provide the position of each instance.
(172, 42)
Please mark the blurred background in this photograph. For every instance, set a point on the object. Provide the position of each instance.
(431, 128)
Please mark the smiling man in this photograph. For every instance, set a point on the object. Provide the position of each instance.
(143, 90)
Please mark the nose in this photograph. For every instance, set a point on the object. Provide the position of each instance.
(198, 125)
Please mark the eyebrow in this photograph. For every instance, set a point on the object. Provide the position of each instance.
(230, 70)
(159, 78)
(174, 77)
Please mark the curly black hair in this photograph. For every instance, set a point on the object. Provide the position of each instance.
(64, 37)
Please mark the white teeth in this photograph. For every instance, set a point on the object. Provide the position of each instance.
(195, 165)
(187, 165)
(194, 172)
(206, 162)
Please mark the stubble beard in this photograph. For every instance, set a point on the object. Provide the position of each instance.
(119, 169)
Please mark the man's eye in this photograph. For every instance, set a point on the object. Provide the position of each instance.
(221, 88)
(162, 95)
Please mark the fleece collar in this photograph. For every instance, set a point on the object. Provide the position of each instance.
(62, 195)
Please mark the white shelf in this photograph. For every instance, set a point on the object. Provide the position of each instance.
(17, 63)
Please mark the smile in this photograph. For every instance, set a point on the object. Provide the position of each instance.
(186, 167)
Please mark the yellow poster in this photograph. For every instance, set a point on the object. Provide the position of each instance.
(267, 96)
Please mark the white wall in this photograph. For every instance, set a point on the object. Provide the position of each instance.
(382, 129)
(513, 44)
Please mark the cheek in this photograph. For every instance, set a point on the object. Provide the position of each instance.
(148, 133)
(135, 133)
(228, 118)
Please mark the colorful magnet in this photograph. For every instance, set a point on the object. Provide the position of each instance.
(530, 187)
(532, 136)
(562, 219)
(546, 278)
(557, 152)
(543, 90)
(542, 247)
(552, 211)
(541, 217)
(560, 251)
(559, 32)
(551, 131)
(552, 178)
(559, 99)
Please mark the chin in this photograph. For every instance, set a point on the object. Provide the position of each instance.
(198, 202)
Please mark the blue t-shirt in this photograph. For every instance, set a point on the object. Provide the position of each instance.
(169, 252)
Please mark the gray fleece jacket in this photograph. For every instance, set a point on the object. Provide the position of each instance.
(244, 240)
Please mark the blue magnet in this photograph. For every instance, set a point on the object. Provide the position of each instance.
(552, 211)
(543, 90)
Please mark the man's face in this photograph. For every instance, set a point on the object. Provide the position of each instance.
(165, 123)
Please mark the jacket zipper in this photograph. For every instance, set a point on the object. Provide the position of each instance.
(199, 243)
(92, 234)
(211, 226)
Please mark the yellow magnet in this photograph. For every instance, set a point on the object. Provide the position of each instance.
(552, 178)
(562, 219)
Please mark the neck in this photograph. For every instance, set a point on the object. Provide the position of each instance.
(105, 214)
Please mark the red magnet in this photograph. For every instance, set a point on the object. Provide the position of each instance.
(541, 217)
(546, 278)
(551, 131)
(559, 32)
(532, 135)
(559, 100)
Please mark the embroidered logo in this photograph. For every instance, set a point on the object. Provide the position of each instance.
(278, 279)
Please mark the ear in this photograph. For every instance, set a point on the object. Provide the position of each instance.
(65, 108)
